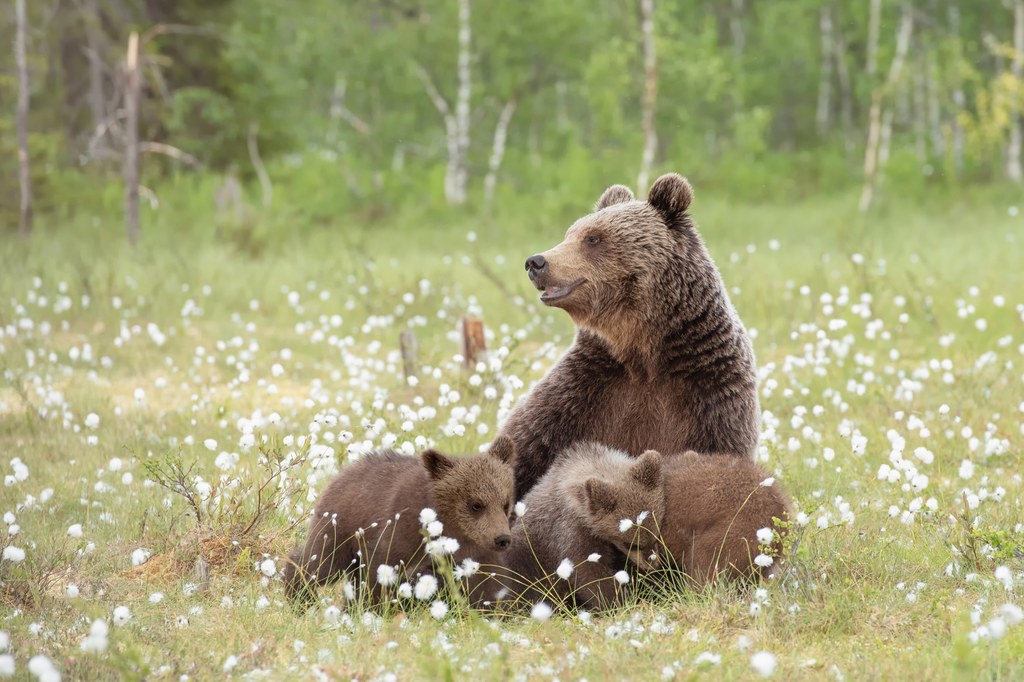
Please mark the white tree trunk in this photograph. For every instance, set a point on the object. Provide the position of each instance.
(934, 107)
(874, 32)
(1013, 146)
(879, 124)
(24, 175)
(845, 91)
(94, 39)
(460, 173)
(650, 95)
(252, 143)
(959, 98)
(824, 115)
(497, 151)
(919, 108)
(131, 135)
(739, 36)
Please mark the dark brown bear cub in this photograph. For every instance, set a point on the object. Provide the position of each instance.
(370, 525)
(661, 359)
(592, 510)
(718, 519)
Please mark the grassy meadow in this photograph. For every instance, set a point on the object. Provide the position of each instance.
(168, 414)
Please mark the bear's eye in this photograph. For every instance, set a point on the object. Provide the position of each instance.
(593, 240)
(476, 507)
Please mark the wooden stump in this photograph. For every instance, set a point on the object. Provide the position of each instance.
(474, 348)
(409, 345)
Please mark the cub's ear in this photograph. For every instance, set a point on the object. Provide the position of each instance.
(599, 496)
(503, 448)
(436, 464)
(616, 194)
(647, 469)
(671, 195)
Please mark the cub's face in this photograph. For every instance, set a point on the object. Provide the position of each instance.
(613, 258)
(475, 495)
(625, 513)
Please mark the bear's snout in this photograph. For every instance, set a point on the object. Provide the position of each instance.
(503, 541)
(535, 265)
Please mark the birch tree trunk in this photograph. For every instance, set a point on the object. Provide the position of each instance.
(497, 152)
(131, 139)
(1013, 165)
(919, 106)
(934, 106)
(845, 91)
(24, 176)
(94, 39)
(739, 36)
(460, 172)
(874, 31)
(824, 115)
(959, 98)
(650, 95)
(879, 123)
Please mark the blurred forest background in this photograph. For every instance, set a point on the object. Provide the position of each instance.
(326, 110)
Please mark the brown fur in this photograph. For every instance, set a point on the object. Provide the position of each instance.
(573, 512)
(661, 360)
(714, 506)
(369, 516)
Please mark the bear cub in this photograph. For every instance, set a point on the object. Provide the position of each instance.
(719, 512)
(368, 525)
(591, 511)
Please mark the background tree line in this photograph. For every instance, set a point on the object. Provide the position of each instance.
(360, 107)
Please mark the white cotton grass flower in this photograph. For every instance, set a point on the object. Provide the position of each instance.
(435, 528)
(520, 509)
(541, 611)
(156, 597)
(71, 590)
(14, 554)
(765, 536)
(211, 444)
(764, 560)
(140, 556)
(96, 641)
(427, 516)
(438, 610)
(625, 524)
(386, 575)
(92, 420)
(405, 591)
(467, 568)
(621, 577)
(5, 641)
(594, 558)
(708, 659)
(764, 663)
(565, 569)
(7, 666)
(43, 669)
(268, 568)
(1011, 613)
(426, 587)
(332, 614)
(1004, 575)
(121, 615)
(768, 482)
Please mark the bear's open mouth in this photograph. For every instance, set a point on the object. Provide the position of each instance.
(552, 294)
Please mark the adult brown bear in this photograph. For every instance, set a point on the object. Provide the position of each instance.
(661, 359)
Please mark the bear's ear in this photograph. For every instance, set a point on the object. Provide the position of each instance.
(599, 496)
(503, 448)
(647, 470)
(436, 464)
(616, 194)
(671, 195)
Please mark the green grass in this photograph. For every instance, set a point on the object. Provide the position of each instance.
(844, 610)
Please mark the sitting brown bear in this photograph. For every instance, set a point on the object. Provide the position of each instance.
(371, 522)
(661, 359)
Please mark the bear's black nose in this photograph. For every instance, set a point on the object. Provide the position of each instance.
(535, 263)
(503, 541)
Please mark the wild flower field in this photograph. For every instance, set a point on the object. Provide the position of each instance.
(168, 416)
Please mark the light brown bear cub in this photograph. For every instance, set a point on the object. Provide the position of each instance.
(593, 508)
(718, 519)
(367, 524)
